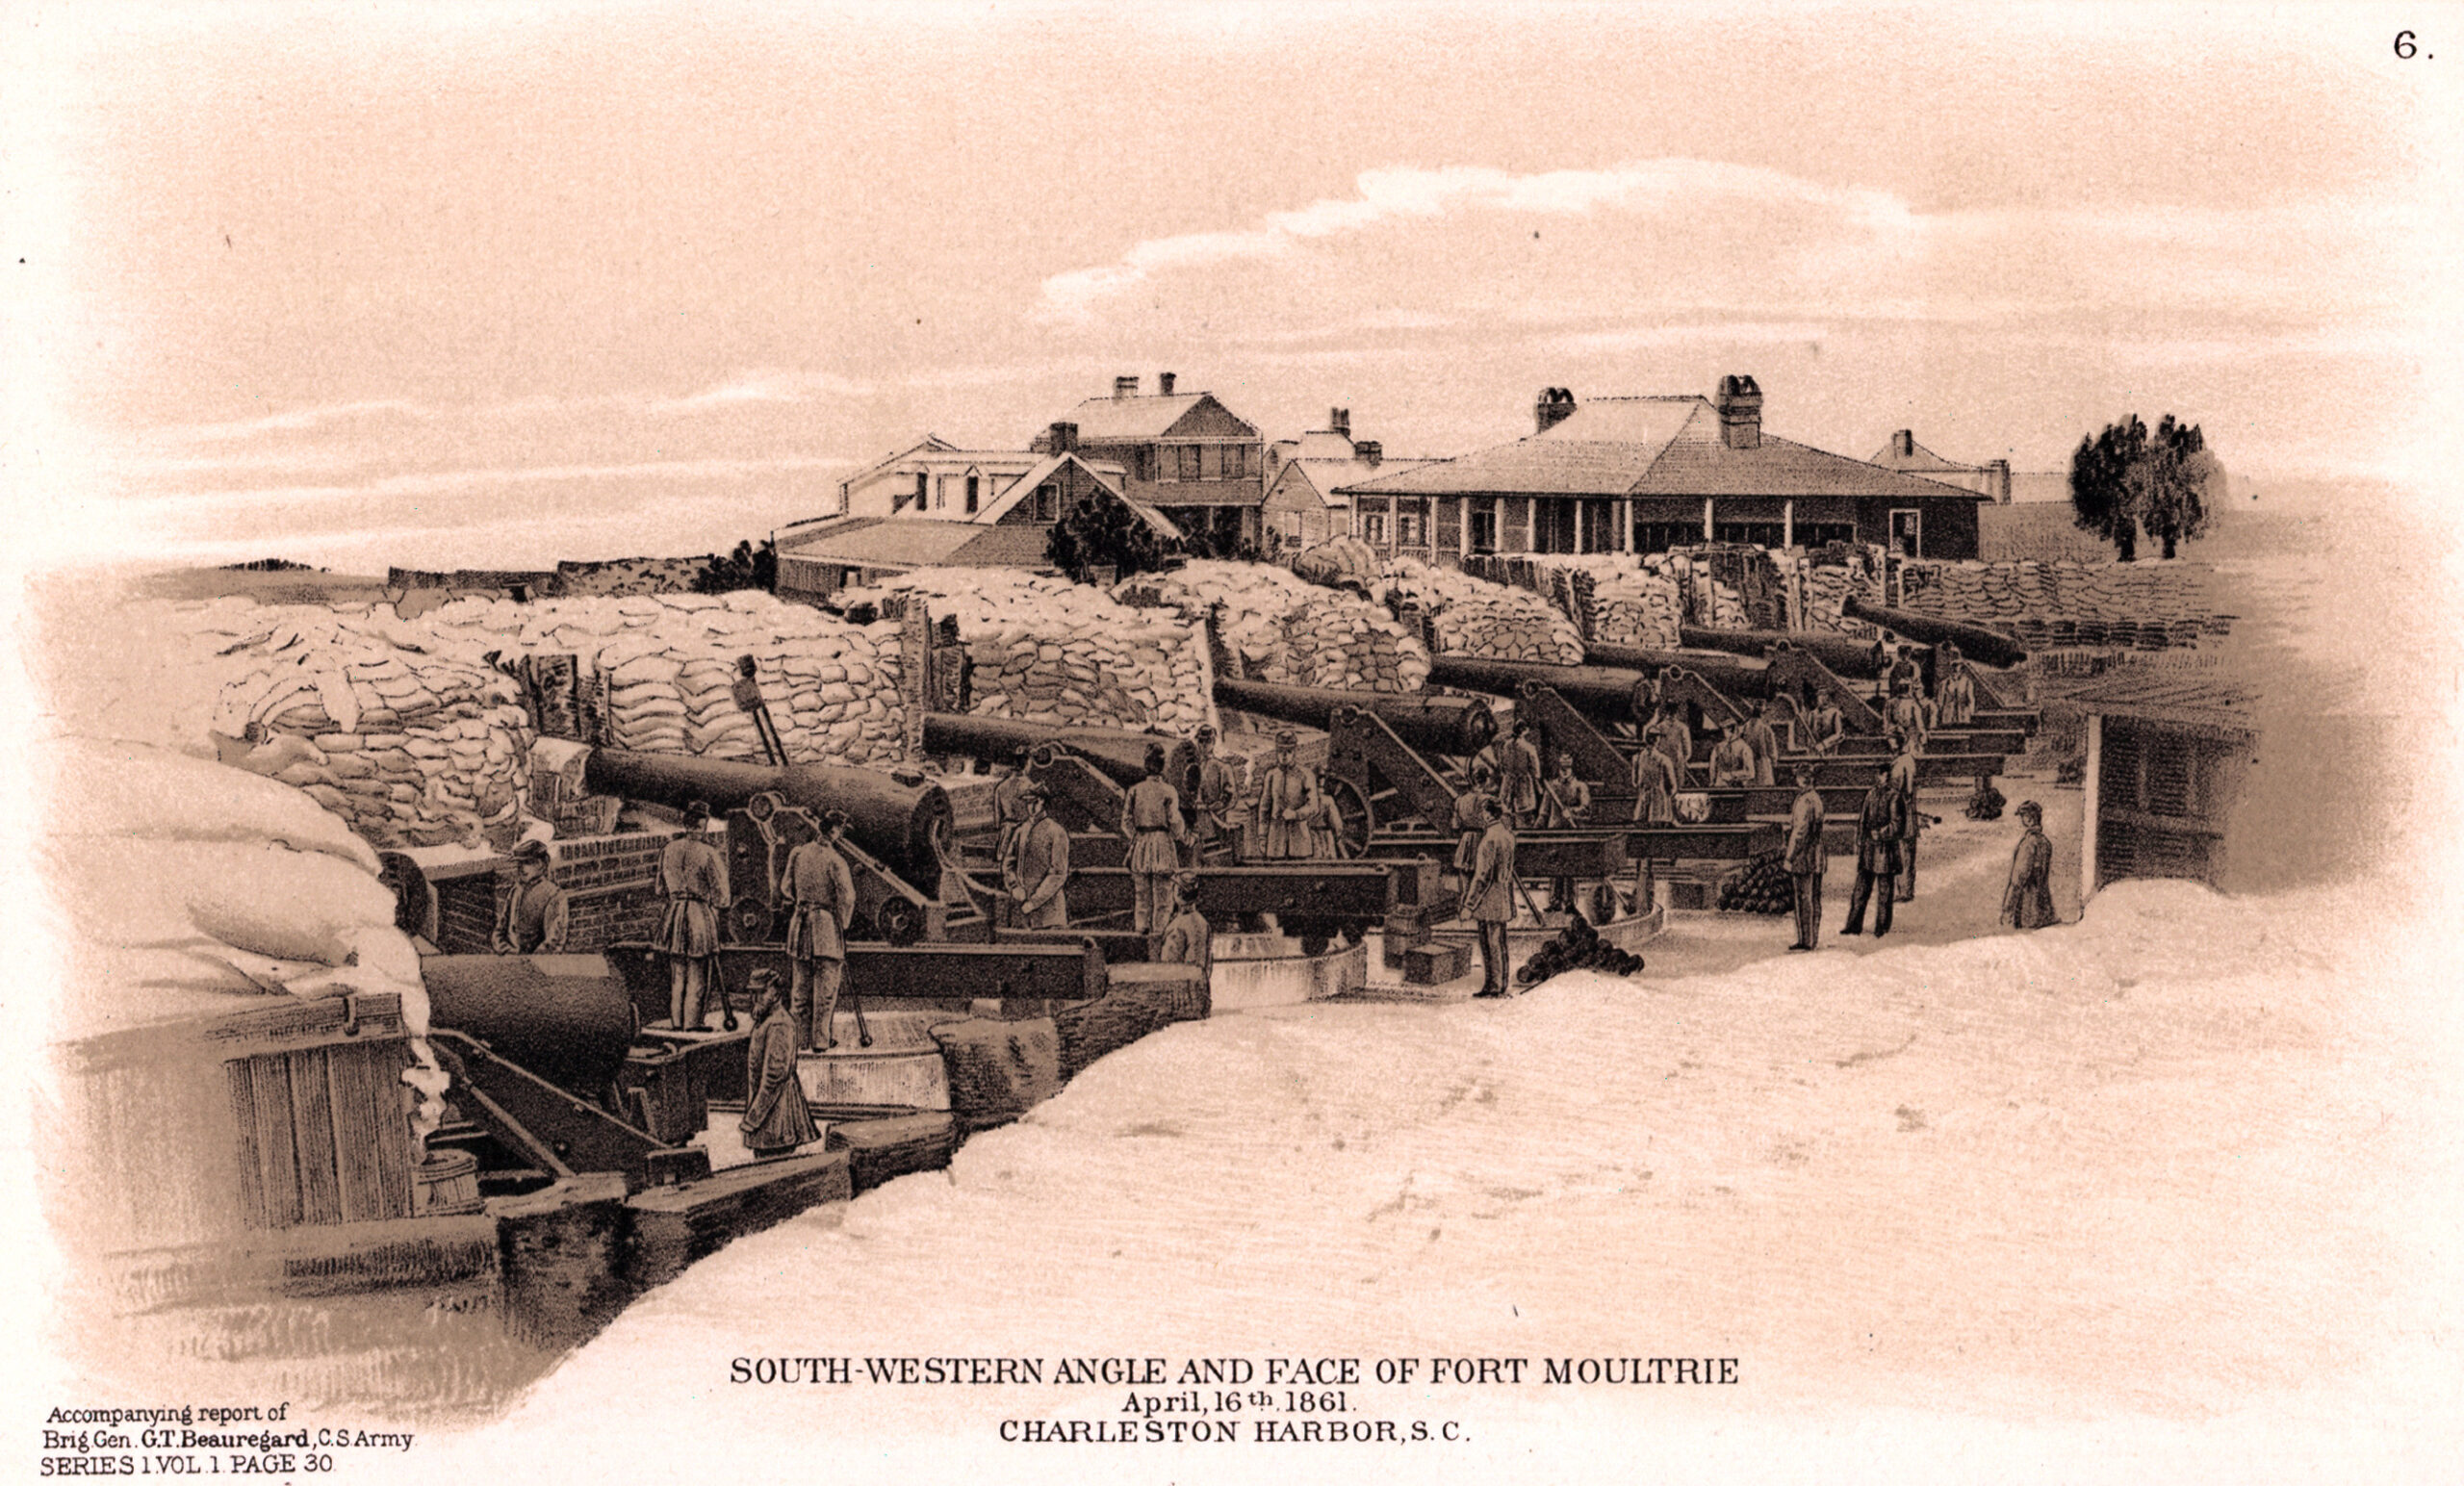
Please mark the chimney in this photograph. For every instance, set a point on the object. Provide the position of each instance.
(1163, 383)
(1553, 406)
(1997, 481)
(1124, 387)
(1062, 440)
(1340, 421)
(1369, 451)
(1902, 445)
(1740, 408)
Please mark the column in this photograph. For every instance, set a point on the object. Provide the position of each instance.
(1626, 524)
(1706, 518)
(1532, 526)
(1582, 524)
(1787, 524)
(2091, 793)
(1463, 529)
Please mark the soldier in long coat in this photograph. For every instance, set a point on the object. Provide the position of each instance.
(1037, 873)
(777, 1120)
(1903, 778)
(1217, 787)
(1881, 825)
(1288, 803)
(1489, 898)
(1470, 820)
(1805, 858)
(822, 892)
(1669, 734)
(1825, 727)
(693, 878)
(2028, 902)
(1764, 743)
(1733, 761)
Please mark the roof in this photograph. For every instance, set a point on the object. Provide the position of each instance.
(1112, 419)
(1165, 495)
(878, 542)
(1110, 476)
(1919, 460)
(1326, 476)
(1020, 545)
(2172, 694)
(1654, 446)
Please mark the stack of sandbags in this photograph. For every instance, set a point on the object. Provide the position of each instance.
(412, 748)
(2147, 604)
(1288, 630)
(1471, 617)
(1344, 561)
(1049, 650)
(667, 666)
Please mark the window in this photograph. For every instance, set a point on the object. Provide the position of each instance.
(1236, 461)
(1908, 532)
(972, 492)
(923, 483)
(1188, 462)
(1372, 529)
(1485, 526)
(1047, 502)
(1408, 529)
(941, 494)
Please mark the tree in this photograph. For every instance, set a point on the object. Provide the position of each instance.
(2184, 482)
(1099, 529)
(746, 567)
(2102, 499)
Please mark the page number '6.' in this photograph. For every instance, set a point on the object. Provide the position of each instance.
(2404, 47)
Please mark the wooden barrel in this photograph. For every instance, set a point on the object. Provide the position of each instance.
(446, 1184)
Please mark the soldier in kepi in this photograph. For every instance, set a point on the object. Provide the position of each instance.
(777, 1120)
(1805, 858)
(693, 878)
(531, 921)
(1565, 801)
(1488, 897)
(1288, 803)
(1004, 801)
(1036, 871)
(1189, 939)
(1150, 817)
(817, 886)
(2028, 902)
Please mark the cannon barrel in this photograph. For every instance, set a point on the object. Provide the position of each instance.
(566, 1018)
(1732, 675)
(1118, 754)
(1839, 655)
(1976, 643)
(895, 817)
(1602, 692)
(1457, 726)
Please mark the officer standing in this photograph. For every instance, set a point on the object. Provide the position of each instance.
(817, 884)
(693, 878)
(532, 918)
(1805, 858)
(1037, 873)
(1490, 896)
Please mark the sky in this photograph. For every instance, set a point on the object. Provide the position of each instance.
(491, 285)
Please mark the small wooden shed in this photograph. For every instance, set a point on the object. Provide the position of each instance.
(2168, 753)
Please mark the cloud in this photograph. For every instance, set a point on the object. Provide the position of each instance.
(443, 482)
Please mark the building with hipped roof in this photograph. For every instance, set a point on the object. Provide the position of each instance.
(1908, 457)
(1642, 475)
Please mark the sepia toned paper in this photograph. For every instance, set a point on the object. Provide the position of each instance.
(424, 301)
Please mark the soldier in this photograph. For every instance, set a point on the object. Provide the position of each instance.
(1656, 781)
(1805, 858)
(1880, 830)
(1189, 939)
(1150, 817)
(1906, 715)
(817, 884)
(1469, 819)
(1903, 778)
(1519, 775)
(1904, 678)
(1825, 727)
(1217, 787)
(1004, 801)
(1955, 696)
(777, 1120)
(1766, 745)
(2028, 902)
(1288, 803)
(693, 878)
(1489, 898)
(1037, 872)
(1566, 802)
(1669, 731)
(532, 918)
(1733, 761)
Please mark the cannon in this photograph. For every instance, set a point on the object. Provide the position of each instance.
(1841, 654)
(1608, 693)
(1457, 726)
(1734, 675)
(1115, 753)
(898, 818)
(1976, 643)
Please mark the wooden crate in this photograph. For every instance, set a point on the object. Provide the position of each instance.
(324, 1118)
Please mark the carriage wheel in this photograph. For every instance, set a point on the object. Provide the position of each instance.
(1357, 816)
(749, 923)
(902, 923)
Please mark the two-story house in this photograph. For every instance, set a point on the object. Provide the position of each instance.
(1184, 454)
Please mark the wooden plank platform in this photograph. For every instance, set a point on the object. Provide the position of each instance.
(673, 1226)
